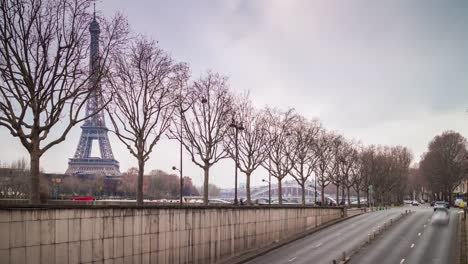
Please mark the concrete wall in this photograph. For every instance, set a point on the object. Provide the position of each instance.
(147, 235)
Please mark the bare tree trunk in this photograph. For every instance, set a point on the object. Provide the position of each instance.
(206, 170)
(337, 194)
(450, 197)
(141, 172)
(358, 198)
(368, 198)
(323, 194)
(303, 193)
(280, 192)
(247, 188)
(34, 197)
(347, 192)
(343, 194)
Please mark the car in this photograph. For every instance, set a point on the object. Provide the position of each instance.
(441, 216)
(217, 201)
(363, 202)
(284, 202)
(415, 203)
(441, 205)
(432, 203)
(261, 201)
(85, 198)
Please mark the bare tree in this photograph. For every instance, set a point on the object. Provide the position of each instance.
(144, 84)
(391, 174)
(348, 158)
(417, 184)
(367, 168)
(337, 163)
(386, 169)
(304, 136)
(252, 142)
(356, 178)
(444, 164)
(326, 167)
(206, 123)
(281, 149)
(43, 71)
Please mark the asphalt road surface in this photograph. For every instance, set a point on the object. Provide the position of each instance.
(415, 240)
(329, 243)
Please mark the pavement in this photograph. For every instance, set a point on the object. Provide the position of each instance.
(415, 240)
(329, 244)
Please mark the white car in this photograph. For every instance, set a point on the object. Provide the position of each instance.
(415, 203)
(440, 205)
(217, 201)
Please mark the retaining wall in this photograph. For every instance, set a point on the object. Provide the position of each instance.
(114, 234)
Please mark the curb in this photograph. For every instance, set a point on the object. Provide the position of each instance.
(254, 254)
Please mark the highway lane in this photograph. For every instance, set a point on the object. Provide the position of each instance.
(329, 243)
(414, 240)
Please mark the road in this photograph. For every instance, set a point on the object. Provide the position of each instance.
(329, 243)
(414, 240)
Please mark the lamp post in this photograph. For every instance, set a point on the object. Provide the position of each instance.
(269, 190)
(237, 127)
(182, 111)
(181, 181)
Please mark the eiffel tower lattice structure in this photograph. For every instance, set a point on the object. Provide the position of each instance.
(94, 128)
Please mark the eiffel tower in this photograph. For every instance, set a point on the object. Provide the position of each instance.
(94, 128)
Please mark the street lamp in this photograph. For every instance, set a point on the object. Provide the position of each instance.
(238, 127)
(181, 181)
(269, 190)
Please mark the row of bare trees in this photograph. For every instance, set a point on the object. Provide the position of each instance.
(287, 144)
(44, 86)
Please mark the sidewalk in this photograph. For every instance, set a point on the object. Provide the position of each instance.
(463, 240)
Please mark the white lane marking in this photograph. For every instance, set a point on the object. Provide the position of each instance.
(317, 245)
(412, 245)
(419, 234)
(424, 225)
(291, 260)
(402, 260)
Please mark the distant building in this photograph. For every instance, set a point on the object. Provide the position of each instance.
(462, 189)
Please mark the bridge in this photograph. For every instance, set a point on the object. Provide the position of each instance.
(290, 189)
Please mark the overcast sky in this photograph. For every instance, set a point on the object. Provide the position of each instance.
(383, 72)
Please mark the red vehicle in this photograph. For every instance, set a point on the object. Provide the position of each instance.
(86, 198)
